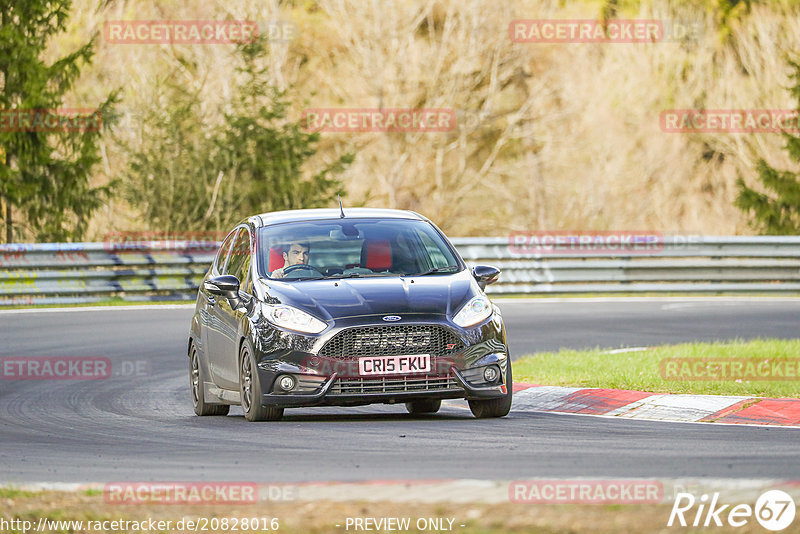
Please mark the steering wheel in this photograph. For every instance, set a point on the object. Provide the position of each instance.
(298, 266)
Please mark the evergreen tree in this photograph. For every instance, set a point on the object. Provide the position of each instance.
(266, 153)
(776, 211)
(45, 169)
(171, 178)
(190, 175)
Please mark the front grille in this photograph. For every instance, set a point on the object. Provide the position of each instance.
(391, 340)
(356, 386)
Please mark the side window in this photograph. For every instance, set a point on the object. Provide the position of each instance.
(239, 261)
(222, 255)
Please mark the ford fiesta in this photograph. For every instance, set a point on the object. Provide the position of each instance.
(345, 308)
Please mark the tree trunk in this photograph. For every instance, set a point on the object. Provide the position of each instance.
(9, 230)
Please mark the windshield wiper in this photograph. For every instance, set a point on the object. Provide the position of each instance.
(355, 275)
(448, 269)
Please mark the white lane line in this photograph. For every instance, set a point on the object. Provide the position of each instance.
(675, 407)
(542, 398)
(464, 490)
(630, 349)
(146, 307)
(500, 299)
(556, 300)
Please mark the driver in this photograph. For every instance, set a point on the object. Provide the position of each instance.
(296, 254)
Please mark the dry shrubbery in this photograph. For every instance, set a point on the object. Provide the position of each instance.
(550, 136)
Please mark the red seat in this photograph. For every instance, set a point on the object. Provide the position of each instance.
(275, 258)
(376, 255)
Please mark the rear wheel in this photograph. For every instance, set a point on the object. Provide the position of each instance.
(499, 407)
(196, 380)
(250, 389)
(424, 406)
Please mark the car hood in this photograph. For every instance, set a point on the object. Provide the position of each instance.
(441, 294)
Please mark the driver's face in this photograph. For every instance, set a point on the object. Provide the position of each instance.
(297, 255)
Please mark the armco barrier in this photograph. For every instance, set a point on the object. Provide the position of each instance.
(88, 272)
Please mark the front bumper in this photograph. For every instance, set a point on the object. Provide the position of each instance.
(335, 381)
(336, 391)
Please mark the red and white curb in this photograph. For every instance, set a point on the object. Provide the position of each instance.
(657, 407)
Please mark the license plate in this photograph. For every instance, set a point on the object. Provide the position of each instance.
(394, 365)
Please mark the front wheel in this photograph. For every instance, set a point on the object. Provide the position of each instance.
(250, 389)
(499, 407)
(196, 380)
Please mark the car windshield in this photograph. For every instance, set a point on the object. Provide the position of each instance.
(352, 248)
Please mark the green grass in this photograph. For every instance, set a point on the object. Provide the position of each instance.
(14, 493)
(641, 370)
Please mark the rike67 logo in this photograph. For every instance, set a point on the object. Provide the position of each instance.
(774, 510)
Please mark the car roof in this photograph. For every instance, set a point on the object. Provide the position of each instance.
(277, 217)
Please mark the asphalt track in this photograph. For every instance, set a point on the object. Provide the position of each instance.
(138, 424)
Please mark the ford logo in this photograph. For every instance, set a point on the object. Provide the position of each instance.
(392, 318)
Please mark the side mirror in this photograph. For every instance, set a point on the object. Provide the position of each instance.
(485, 275)
(224, 286)
(227, 286)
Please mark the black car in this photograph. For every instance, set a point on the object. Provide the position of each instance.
(345, 308)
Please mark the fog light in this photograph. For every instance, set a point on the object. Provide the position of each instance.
(491, 373)
(286, 382)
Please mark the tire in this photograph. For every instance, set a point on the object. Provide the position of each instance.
(483, 409)
(419, 407)
(196, 380)
(250, 389)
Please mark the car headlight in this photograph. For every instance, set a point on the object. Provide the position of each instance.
(473, 312)
(293, 319)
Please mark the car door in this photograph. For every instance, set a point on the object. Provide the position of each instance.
(224, 338)
(207, 300)
(214, 331)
